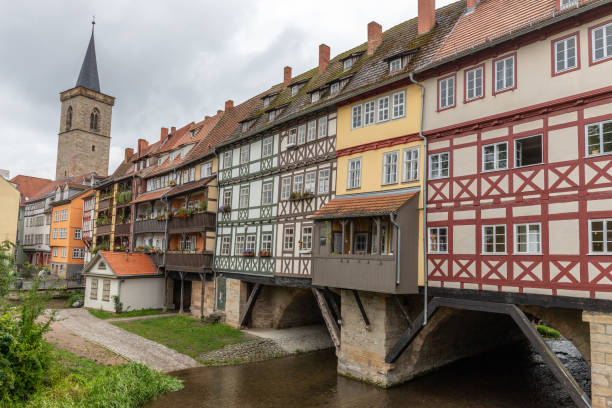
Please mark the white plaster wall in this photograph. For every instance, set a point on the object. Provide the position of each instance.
(464, 239)
(98, 303)
(142, 293)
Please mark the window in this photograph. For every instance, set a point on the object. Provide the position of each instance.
(312, 130)
(267, 148)
(244, 153)
(356, 121)
(528, 151)
(294, 90)
(354, 173)
(301, 134)
(77, 233)
(565, 54)
(102, 265)
(504, 74)
(323, 181)
(55, 251)
(250, 243)
(474, 83)
(494, 239)
(78, 253)
(438, 240)
(243, 201)
(298, 183)
(64, 252)
(347, 64)
(93, 148)
(361, 242)
(266, 193)
(285, 188)
(226, 243)
(495, 156)
(323, 126)
(446, 93)
(291, 137)
(334, 88)
(411, 164)
(602, 42)
(266, 101)
(69, 118)
(395, 65)
(227, 197)
(527, 238)
(383, 109)
(309, 184)
(600, 235)
(266, 242)
(227, 159)
(93, 292)
(64, 215)
(314, 97)
(93, 119)
(399, 104)
(206, 170)
(599, 138)
(106, 290)
(239, 246)
(54, 233)
(368, 116)
(307, 239)
(438, 165)
(63, 233)
(390, 168)
(568, 3)
(288, 239)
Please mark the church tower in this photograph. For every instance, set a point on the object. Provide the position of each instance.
(85, 123)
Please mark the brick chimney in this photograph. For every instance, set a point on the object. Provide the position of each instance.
(163, 134)
(471, 4)
(129, 152)
(219, 112)
(323, 57)
(142, 145)
(286, 76)
(172, 129)
(427, 15)
(229, 105)
(374, 36)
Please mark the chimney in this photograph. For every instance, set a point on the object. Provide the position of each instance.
(142, 145)
(219, 112)
(471, 4)
(324, 57)
(172, 129)
(374, 36)
(206, 117)
(129, 152)
(163, 135)
(229, 105)
(286, 76)
(427, 15)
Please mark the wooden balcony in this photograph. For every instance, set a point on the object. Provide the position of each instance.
(375, 273)
(195, 223)
(105, 203)
(122, 229)
(145, 226)
(183, 262)
(103, 229)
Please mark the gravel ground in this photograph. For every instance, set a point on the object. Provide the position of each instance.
(249, 351)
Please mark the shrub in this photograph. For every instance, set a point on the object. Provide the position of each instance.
(548, 332)
(118, 304)
(7, 271)
(76, 296)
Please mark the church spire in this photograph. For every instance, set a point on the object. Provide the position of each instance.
(88, 77)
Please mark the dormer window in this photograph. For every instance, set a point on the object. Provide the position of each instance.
(348, 64)
(568, 3)
(136, 166)
(294, 90)
(395, 65)
(148, 161)
(314, 97)
(334, 88)
(271, 115)
(266, 101)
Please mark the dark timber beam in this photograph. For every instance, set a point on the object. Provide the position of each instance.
(203, 280)
(566, 379)
(182, 275)
(402, 309)
(366, 321)
(332, 301)
(332, 325)
(244, 319)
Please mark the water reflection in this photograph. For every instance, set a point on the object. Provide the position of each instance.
(511, 377)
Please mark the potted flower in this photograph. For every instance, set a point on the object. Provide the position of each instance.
(295, 195)
(248, 252)
(172, 183)
(264, 253)
(225, 209)
(307, 194)
(203, 206)
(161, 217)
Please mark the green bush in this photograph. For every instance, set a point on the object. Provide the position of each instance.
(75, 296)
(548, 332)
(7, 271)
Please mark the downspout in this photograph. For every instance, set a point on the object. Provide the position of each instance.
(216, 233)
(392, 217)
(424, 198)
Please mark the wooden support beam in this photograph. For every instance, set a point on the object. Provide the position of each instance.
(182, 275)
(329, 295)
(366, 321)
(580, 398)
(202, 279)
(165, 308)
(332, 325)
(246, 314)
(402, 309)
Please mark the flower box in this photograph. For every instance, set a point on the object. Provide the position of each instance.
(225, 209)
(248, 253)
(264, 254)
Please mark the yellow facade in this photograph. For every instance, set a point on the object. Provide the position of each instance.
(372, 155)
(9, 208)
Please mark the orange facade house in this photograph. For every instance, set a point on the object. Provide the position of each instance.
(67, 246)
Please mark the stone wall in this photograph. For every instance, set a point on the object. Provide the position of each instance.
(601, 358)
(283, 307)
(236, 298)
(196, 294)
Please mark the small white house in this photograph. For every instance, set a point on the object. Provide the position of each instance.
(133, 277)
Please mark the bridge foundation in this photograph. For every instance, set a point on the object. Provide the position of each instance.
(601, 357)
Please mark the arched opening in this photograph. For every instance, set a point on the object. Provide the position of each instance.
(93, 119)
(69, 118)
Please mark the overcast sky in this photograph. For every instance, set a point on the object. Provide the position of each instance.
(167, 62)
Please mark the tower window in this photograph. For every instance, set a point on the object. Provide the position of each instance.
(69, 118)
(93, 119)
(93, 148)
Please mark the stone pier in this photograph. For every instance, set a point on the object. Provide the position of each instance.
(601, 357)
(196, 294)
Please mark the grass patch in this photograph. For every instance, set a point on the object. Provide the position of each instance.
(101, 314)
(184, 334)
(548, 332)
(75, 381)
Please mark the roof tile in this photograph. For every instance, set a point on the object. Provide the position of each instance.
(363, 206)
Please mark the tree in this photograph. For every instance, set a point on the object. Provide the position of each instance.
(7, 270)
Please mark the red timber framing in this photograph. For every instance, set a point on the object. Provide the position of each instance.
(568, 188)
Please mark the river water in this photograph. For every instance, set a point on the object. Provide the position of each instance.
(511, 377)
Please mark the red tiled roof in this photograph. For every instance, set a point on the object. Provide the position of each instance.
(129, 264)
(363, 206)
(29, 186)
(190, 186)
(153, 195)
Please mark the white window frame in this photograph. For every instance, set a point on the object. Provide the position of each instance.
(297, 183)
(250, 243)
(239, 244)
(306, 239)
(436, 248)
(496, 160)
(227, 197)
(285, 188)
(474, 85)
(369, 112)
(64, 216)
(288, 238)
(294, 90)
(446, 92)
(267, 195)
(399, 105)
(347, 64)
(563, 4)
(505, 85)
(227, 159)
(518, 150)
(353, 179)
(356, 119)
(390, 168)
(607, 247)
(323, 181)
(267, 146)
(410, 165)
(440, 173)
(529, 242)
(245, 153)
(64, 252)
(495, 235)
(292, 137)
(564, 54)
(77, 233)
(206, 169)
(600, 126)
(242, 197)
(266, 242)
(226, 245)
(54, 235)
(395, 65)
(55, 252)
(312, 131)
(56, 216)
(301, 134)
(322, 130)
(382, 112)
(334, 88)
(604, 30)
(310, 181)
(314, 97)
